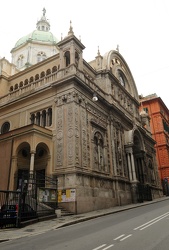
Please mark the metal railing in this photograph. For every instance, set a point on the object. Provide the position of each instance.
(35, 197)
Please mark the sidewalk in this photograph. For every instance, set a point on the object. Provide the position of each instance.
(44, 226)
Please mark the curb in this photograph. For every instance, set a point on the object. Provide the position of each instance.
(75, 221)
(112, 212)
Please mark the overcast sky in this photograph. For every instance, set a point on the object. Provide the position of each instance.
(139, 27)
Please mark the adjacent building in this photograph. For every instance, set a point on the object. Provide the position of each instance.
(80, 122)
(155, 108)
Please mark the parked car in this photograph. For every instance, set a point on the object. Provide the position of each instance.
(9, 213)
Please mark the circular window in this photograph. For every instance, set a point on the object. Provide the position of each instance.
(5, 127)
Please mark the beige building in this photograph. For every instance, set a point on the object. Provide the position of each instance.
(98, 148)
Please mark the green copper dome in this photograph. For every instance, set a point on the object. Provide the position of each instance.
(37, 35)
(41, 34)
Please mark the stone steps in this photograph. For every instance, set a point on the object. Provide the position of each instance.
(64, 212)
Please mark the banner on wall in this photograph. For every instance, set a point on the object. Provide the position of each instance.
(67, 195)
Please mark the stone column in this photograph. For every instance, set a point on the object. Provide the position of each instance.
(129, 166)
(32, 161)
(132, 175)
(133, 167)
(41, 123)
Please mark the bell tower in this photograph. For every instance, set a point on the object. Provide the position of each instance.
(71, 51)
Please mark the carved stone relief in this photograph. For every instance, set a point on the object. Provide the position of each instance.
(70, 144)
(84, 138)
(59, 137)
(76, 135)
(119, 141)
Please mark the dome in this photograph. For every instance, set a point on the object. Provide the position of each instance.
(35, 46)
(37, 35)
(41, 34)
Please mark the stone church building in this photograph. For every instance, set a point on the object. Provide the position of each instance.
(79, 121)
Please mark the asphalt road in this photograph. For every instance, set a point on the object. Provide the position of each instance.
(142, 228)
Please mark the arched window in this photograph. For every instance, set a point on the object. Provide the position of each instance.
(20, 84)
(67, 58)
(48, 72)
(16, 86)
(54, 69)
(11, 89)
(31, 79)
(98, 151)
(42, 118)
(42, 74)
(5, 127)
(41, 56)
(36, 77)
(26, 82)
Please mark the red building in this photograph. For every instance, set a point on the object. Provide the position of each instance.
(159, 125)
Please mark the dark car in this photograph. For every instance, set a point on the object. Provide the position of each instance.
(9, 213)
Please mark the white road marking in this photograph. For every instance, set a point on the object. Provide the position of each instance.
(108, 247)
(149, 223)
(99, 247)
(126, 237)
(119, 237)
(153, 222)
(141, 227)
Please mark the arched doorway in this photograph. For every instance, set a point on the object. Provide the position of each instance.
(40, 156)
(23, 164)
(41, 163)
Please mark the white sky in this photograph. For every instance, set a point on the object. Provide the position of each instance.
(139, 27)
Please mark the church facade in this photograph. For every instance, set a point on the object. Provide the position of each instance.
(77, 121)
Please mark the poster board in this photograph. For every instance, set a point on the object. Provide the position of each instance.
(47, 195)
(67, 195)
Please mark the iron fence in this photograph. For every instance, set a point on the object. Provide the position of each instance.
(36, 197)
